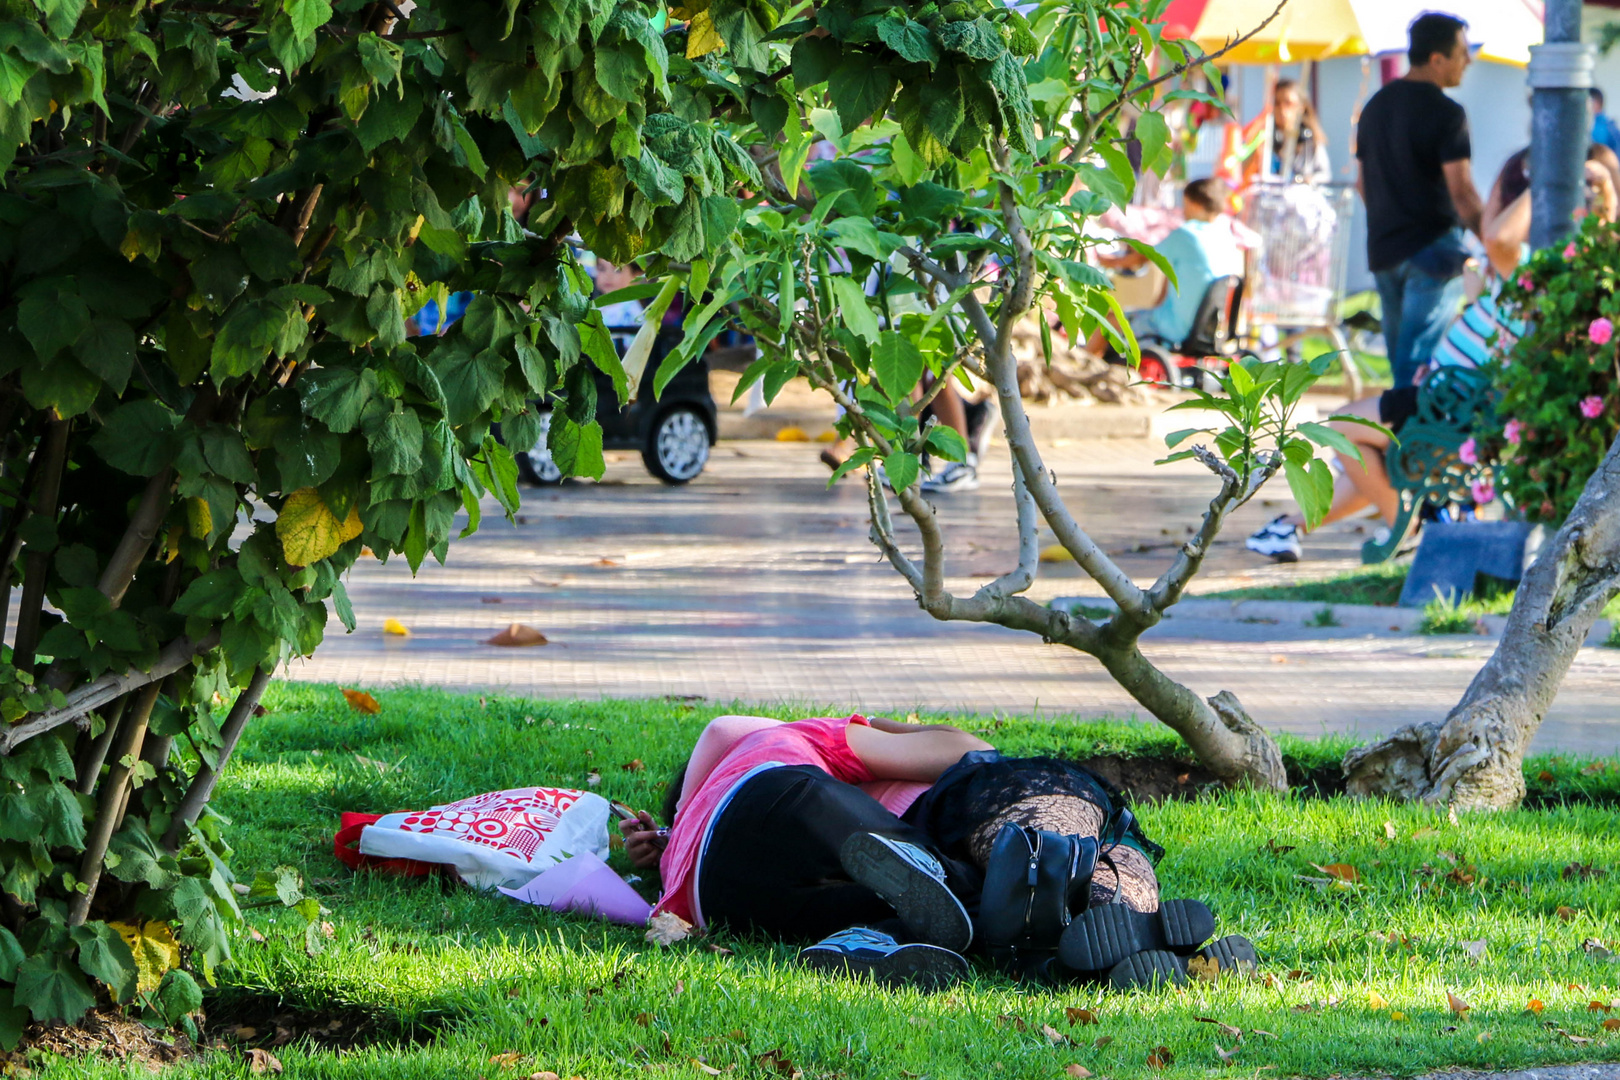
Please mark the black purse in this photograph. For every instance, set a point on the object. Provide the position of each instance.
(1034, 882)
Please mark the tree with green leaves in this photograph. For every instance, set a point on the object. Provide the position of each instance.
(215, 221)
(973, 145)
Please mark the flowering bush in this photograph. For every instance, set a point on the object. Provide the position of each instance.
(1560, 383)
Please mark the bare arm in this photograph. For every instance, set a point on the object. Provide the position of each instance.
(1460, 182)
(915, 755)
(900, 727)
(1505, 234)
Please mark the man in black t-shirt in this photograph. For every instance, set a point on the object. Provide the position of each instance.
(1419, 190)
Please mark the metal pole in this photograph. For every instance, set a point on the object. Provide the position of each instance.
(1560, 75)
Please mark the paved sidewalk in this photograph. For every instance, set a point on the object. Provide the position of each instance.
(756, 583)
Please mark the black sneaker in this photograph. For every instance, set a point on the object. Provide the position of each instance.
(1233, 954)
(1101, 937)
(1278, 540)
(913, 883)
(861, 953)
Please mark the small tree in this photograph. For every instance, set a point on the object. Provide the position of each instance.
(1559, 410)
(214, 222)
(992, 140)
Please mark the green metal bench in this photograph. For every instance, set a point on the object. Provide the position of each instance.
(1423, 465)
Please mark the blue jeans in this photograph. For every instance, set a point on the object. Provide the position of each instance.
(1420, 298)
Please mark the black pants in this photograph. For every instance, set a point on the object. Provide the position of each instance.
(772, 860)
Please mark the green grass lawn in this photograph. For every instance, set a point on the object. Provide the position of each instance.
(1354, 978)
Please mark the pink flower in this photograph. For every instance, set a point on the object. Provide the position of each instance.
(1569, 252)
(1469, 452)
(1525, 283)
(1592, 407)
(1482, 491)
(1600, 331)
(1512, 431)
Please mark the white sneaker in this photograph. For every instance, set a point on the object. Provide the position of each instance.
(1277, 539)
(956, 476)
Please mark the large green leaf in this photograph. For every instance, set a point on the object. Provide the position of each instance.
(52, 988)
(911, 39)
(859, 87)
(104, 955)
(107, 349)
(52, 320)
(898, 365)
(336, 396)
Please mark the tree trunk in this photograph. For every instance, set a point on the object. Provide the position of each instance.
(1475, 759)
(1219, 732)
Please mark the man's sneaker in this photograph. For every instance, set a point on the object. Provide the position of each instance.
(1278, 539)
(860, 952)
(956, 476)
(1231, 955)
(911, 881)
(1100, 937)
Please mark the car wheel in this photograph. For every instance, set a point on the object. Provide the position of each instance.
(536, 466)
(678, 445)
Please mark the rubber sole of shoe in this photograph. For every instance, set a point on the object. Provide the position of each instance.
(1148, 968)
(929, 910)
(925, 966)
(1101, 937)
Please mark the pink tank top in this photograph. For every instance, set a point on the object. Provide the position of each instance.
(820, 743)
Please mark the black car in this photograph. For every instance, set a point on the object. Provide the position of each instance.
(673, 432)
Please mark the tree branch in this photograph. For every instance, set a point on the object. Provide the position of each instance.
(1209, 58)
(137, 539)
(202, 784)
(53, 447)
(1233, 494)
(132, 733)
(95, 694)
(1022, 576)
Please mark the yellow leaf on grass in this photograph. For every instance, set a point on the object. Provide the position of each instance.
(1397, 1015)
(1375, 1000)
(155, 949)
(1340, 871)
(360, 701)
(1078, 1071)
(701, 36)
(308, 529)
(1535, 1006)
(666, 928)
(394, 626)
(1457, 1004)
(1204, 970)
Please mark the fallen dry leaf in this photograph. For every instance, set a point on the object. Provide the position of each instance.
(1599, 1006)
(1397, 1015)
(1578, 1040)
(506, 1060)
(395, 627)
(1054, 1036)
(1227, 1029)
(1375, 1000)
(1160, 1057)
(1274, 848)
(1101, 1041)
(680, 988)
(1536, 1006)
(1421, 833)
(1475, 949)
(1581, 871)
(645, 1019)
(263, 1061)
(1080, 1016)
(1204, 969)
(362, 702)
(1389, 830)
(1544, 776)
(634, 765)
(518, 635)
(718, 950)
(1009, 1020)
(1566, 913)
(1304, 1007)
(1611, 1024)
(1227, 1055)
(708, 1070)
(1457, 1004)
(1339, 871)
(373, 763)
(544, 1075)
(1076, 1070)
(666, 928)
(593, 778)
(1267, 1034)
(777, 1061)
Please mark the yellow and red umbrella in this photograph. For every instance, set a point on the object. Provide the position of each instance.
(1315, 29)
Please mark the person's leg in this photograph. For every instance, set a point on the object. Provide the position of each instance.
(773, 863)
(1428, 306)
(1391, 285)
(948, 407)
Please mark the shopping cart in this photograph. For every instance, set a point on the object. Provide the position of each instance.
(1297, 277)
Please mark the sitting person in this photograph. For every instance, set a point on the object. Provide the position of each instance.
(1203, 250)
(1482, 330)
